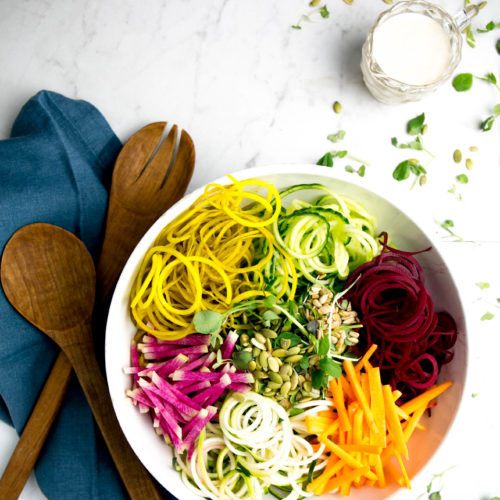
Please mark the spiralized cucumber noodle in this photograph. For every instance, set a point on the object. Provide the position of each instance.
(329, 236)
(255, 445)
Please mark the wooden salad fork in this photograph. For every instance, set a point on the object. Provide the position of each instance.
(149, 176)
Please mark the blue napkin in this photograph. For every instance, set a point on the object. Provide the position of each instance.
(55, 168)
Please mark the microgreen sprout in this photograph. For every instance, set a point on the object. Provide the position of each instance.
(447, 225)
(463, 179)
(339, 136)
(487, 316)
(487, 124)
(436, 495)
(316, 15)
(489, 27)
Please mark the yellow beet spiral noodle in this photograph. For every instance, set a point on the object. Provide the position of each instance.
(209, 257)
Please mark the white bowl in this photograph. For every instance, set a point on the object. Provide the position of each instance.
(397, 217)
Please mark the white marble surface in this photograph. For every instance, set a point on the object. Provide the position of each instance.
(253, 91)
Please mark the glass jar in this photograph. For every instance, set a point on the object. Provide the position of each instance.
(390, 90)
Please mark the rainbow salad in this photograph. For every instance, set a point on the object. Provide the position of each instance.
(283, 344)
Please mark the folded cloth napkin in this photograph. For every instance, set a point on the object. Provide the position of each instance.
(55, 168)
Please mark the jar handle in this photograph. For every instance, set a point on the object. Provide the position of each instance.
(463, 17)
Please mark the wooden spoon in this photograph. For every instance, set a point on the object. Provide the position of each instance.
(129, 217)
(49, 277)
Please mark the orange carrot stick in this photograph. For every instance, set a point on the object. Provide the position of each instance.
(337, 482)
(364, 360)
(425, 398)
(360, 395)
(393, 421)
(338, 401)
(377, 404)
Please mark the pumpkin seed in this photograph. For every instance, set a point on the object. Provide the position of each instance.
(269, 346)
(256, 352)
(257, 344)
(244, 339)
(263, 357)
(285, 403)
(257, 374)
(252, 365)
(337, 107)
(307, 385)
(285, 343)
(279, 353)
(474, 149)
(260, 338)
(293, 350)
(423, 180)
(457, 156)
(275, 377)
(294, 380)
(285, 375)
(273, 364)
(469, 164)
(270, 334)
(285, 389)
(274, 385)
(294, 359)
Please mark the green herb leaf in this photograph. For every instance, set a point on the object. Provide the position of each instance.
(482, 285)
(270, 315)
(487, 316)
(489, 27)
(304, 363)
(361, 171)
(498, 46)
(462, 82)
(296, 27)
(324, 346)
(339, 154)
(488, 123)
(336, 137)
(241, 359)
(295, 411)
(402, 171)
(319, 379)
(269, 301)
(349, 169)
(415, 125)
(330, 367)
(208, 322)
(462, 178)
(326, 160)
(324, 12)
(294, 339)
(496, 109)
(435, 496)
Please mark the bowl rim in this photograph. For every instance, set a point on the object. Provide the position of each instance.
(419, 215)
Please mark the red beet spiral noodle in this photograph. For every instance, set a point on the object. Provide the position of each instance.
(398, 315)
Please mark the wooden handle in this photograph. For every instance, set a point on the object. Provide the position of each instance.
(135, 477)
(124, 229)
(35, 431)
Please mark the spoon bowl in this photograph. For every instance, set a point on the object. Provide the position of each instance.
(49, 277)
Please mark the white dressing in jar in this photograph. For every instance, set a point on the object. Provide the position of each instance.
(412, 48)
